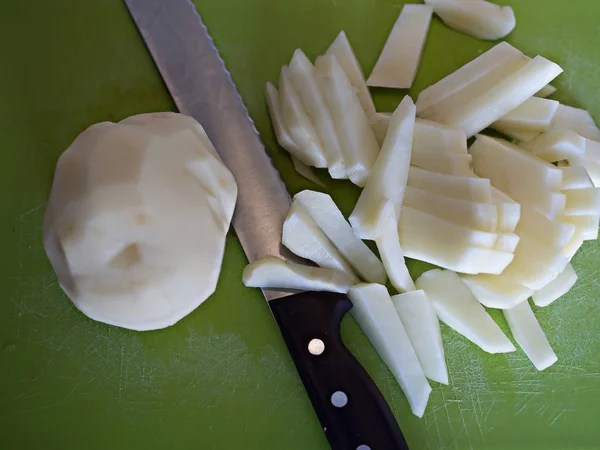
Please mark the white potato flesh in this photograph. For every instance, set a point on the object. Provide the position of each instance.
(281, 133)
(529, 335)
(298, 124)
(535, 114)
(359, 145)
(439, 101)
(399, 60)
(272, 272)
(593, 170)
(592, 150)
(509, 211)
(556, 145)
(546, 91)
(586, 225)
(342, 50)
(574, 244)
(306, 171)
(434, 137)
(388, 178)
(380, 122)
(392, 255)
(456, 306)
(556, 288)
(582, 202)
(377, 317)
(519, 136)
(507, 242)
(524, 177)
(477, 18)
(326, 214)
(423, 328)
(435, 241)
(490, 106)
(477, 216)
(535, 264)
(462, 188)
(136, 221)
(497, 291)
(578, 120)
(553, 233)
(303, 77)
(451, 164)
(302, 236)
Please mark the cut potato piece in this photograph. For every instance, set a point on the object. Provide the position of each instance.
(435, 241)
(592, 150)
(455, 306)
(473, 80)
(379, 123)
(497, 291)
(507, 242)
(587, 225)
(329, 218)
(303, 77)
(535, 264)
(377, 317)
(423, 328)
(306, 171)
(574, 244)
(557, 288)
(451, 164)
(359, 145)
(509, 211)
(392, 255)
(136, 222)
(342, 50)
(434, 137)
(462, 188)
(556, 145)
(272, 272)
(530, 336)
(464, 213)
(302, 236)
(582, 202)
(578, 120)
(399, 60)
(510, 93)
(536, 225)
(546, 91)
(387, 181)
(593, 170)
(281, 133)
(518, 135)
(517, 173)
(297, 122)
(477, 18)
(535, 114)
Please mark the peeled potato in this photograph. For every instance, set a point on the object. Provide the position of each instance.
(137, 217)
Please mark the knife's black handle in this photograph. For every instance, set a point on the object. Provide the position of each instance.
(362, 419)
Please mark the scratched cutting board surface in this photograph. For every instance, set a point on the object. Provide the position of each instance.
(221, 378)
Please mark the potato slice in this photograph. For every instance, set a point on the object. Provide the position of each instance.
(462, 188)
(281, 133)
(578, 120)
(379, 123)
(342, 50)
(306, 171)
(593, 170)
(272, 272)
(377, 317)
(556, 288)
(556, 145)
(509, 211)
(477, 18)
(455, 305)
(519, 136)
(536, 225)
(535, 114)
(464, 213)
(392, 255)
(399, 60)
(497, 291)
(530, 336)
(586, 225)
(546, 91)
(431, 136)
(358, 143)
(299, 125)
(303, 77)
(507, 242)
(387, 181)
(302, 235)
(451, 164)
(582, 202)
(326, 214)
(482, 111)
(423, 328)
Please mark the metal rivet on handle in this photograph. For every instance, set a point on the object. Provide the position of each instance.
(339, 399)
(316, 346)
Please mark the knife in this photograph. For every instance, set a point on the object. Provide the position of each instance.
(352, 411)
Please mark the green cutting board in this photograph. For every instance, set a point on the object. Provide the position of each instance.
(221, 378)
